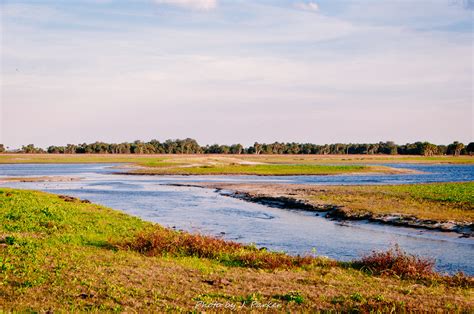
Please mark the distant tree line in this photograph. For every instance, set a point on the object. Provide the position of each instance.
(190, 146)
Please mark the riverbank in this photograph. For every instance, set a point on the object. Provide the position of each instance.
(64, 254)
(439, 206)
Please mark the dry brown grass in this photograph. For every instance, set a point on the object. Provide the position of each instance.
(130, 282)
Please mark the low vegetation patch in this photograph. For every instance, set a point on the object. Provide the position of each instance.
(397, 262)
(436, 201)
(161, 241)
(460, 193)
(263, 170)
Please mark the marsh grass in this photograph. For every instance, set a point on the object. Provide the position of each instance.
(462, 193)
(162, 241)
(434, 201)
(270, 169)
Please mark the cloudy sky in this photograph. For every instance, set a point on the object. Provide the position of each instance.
(227, 71)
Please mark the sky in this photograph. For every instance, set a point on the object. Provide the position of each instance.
(239, 71)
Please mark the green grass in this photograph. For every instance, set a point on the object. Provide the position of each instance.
(61, 254)
(261, 170)
(443, 192)
(435, 201)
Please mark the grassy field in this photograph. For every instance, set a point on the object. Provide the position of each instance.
(167, 160)
(267, 169)
(439, 201)
(60, 253)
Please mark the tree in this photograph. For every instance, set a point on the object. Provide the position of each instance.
(2, 148)
(325, 150)
(158, 147)
(170, 146)
(55, 150)
(31, 149)
(236, 149)
(469, 148)
(70, 149)
(257, 148)
(389, 148)
(455, 148)
(442, 149)
(138, 147)
(428, 149)
(191, 146)
(224, 149)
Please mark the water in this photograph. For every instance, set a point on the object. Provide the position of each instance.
(292, 231)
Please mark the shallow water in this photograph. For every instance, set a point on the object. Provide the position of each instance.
(292, 231)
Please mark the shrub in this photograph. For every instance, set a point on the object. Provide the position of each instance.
(162, 241)
(397, 262)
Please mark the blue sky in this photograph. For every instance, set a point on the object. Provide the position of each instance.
(236, 71)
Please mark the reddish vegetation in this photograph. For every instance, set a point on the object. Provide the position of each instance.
(162, 241)
(397, 262)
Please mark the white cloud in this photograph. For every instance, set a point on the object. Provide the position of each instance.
(307, 6)
(204, 5)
